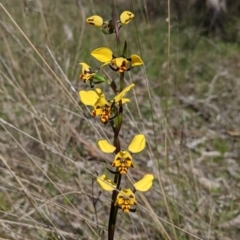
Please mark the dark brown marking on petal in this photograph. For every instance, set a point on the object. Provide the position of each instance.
(94, 113)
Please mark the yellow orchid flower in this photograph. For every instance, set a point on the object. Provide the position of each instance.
(119, 64)
(102, 107)
(96, 99)
(126, 197)
(107, 27)
(123, 159)
(87, 72)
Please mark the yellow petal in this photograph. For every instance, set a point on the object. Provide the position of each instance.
(106, 183)
(136, 60)
(102, 54)
(102, 102)
(125, 100)
(137, 144)
(99, 92)
(88, 97)
(145, 183)
(120, 61)
(126, 17)
(105, 146)
(122, 93)
(85, 67)
(95, 20)
(126, 193)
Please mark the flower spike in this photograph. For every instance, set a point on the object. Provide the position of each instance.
(120, 96)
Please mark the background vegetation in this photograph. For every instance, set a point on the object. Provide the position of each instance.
(188, 110)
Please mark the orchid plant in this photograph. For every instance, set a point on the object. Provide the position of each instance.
(110, 110)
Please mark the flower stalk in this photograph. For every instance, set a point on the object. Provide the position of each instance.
(110, 110)
(117, 177)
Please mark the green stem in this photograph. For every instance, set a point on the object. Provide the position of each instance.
(116, 125)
